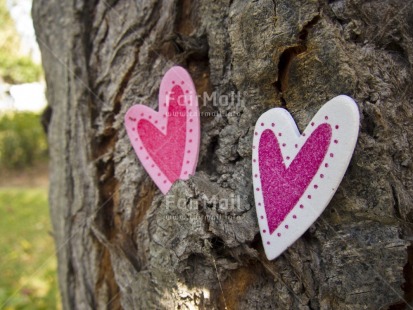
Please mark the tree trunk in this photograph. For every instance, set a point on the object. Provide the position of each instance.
(122, 244)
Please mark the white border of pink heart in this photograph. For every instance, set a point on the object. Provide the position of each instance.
(342, 114)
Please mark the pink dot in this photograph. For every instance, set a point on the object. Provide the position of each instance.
(141, 148)
(254, 160)
(279, 235)
(268, 242)
(312, 123)
(337, 127)
(159, 174)
(190, 130)
(262, 124)
(149, 117)
(280, 134)
(301, 207)
(164, 115)
(326, 165)
(257, 189)
(182, 82)
(136, 139)
(187, 92)
(256, 175)
(189, 151)
(331, 155)
(284, 144)
(259, 204)
(163, 127)
(256, 133)
(296, 146)
(288, 157)
(147, 157)
(273, 125)
(164, 104)
(186, 172)
(166, 93)
(264, 231)
(309, 196)
(326, 118)
(173, 82)
(335, 141)
(141, 114)
(190, 120)
(187, 161)
(286, 226)
(156, 122)
(190, 140)
(189, 101)
(189, 110)
(321, 175)
(261, 217)
(152, 165)
(303, 134)
(315, 186)
(164, 181)
(294, 216)
(133, 129)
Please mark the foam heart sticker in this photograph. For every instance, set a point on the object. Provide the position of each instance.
(167, 142)
(295, 176)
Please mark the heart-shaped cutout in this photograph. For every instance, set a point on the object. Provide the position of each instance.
(295, 176)
(167, 142)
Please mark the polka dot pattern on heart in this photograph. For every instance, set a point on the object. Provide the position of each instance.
(170, 94)
(294, 150)
(312, 179)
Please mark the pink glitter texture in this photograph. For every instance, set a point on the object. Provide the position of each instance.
(282, 187)
(167, 151)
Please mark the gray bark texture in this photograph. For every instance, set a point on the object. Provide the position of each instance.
(117, 244)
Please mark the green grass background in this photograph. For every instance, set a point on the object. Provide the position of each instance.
(27, 261)
(27, 255)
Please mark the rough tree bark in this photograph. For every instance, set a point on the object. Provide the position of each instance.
(117, 246)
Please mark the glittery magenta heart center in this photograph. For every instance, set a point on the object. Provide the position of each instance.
(283, 187)
(167, 151)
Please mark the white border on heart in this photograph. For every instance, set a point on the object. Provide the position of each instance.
(343, 116)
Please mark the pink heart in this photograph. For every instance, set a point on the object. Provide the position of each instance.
(282, 187)
(167, 142)
(296, 175)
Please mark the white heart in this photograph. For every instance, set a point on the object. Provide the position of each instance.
(291, 195)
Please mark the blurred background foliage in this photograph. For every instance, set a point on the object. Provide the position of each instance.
(22, 141)
(27, 255)
(14, 67)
